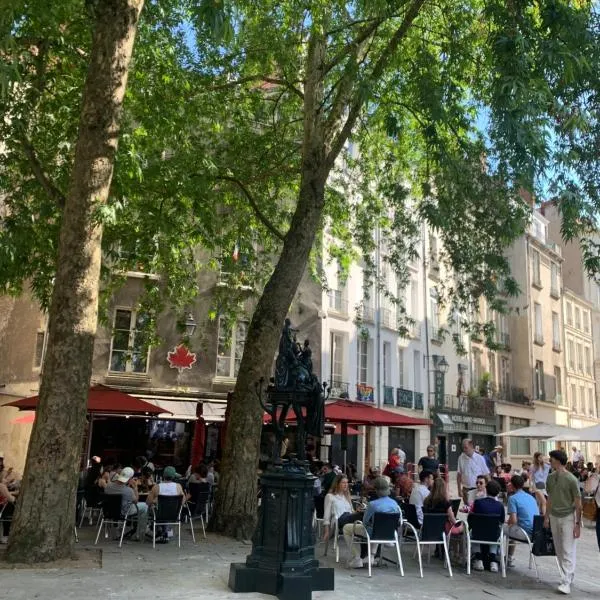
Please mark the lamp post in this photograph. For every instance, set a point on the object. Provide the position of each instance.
(190, 325)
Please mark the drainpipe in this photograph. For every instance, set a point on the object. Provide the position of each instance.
(426, 404)
(379, 436)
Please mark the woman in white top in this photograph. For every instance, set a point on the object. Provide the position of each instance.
(337, 504)
(167, 487)
(539, 471)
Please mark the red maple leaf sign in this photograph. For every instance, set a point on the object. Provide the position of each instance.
(181, 358)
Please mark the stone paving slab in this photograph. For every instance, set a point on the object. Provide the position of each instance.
(137, 572)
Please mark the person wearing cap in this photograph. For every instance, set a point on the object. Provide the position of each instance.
(369, 480)
(496, 456)
(383, 504)
(125, 485)
(167, 487)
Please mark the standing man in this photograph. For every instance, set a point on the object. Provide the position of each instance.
(576, 456)
(429, 462)
(470, 466)
(563, 514)
(496, 456)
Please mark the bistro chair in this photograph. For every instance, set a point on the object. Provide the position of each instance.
(111, 515)
(5, 515)
(433, 533)
(410, 522)
(318, 515)
(485, 529)
(90, 503)
(198, 506)
(167, 511)
(385, 531)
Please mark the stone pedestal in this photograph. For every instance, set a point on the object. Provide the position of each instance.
(282, 562)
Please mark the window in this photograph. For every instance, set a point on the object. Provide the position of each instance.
(571, 354)
(573, 397)
(337, 359)
(362, 362)
(581, 399)
(387, 363)
(40, 349)
(591, 402)
(129, 348)
(580, 358)
(492, 367)
(554, 280)
(401, 367)
(586, 321)
(539, 391)
(555, 332)
(569, 314)
(435, 314)
(230, 348)
(433, 249)
(519, 446)
(505, 373)
(577, 318)
(538, 333)
(416, 371)
(475, 368)
(558, 385)
(587, 360)
(535, 269)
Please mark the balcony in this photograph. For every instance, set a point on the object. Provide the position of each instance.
(412, 332)
(404, 398)
(388, 395)
(337, 303)
(436, 336)
(418, 400)
(504, 340)
(554, 247)
(512, 395)
(387, 318)
(340, 389)
(477, 407)
(367, 314)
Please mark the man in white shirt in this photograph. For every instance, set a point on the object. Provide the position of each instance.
(470, 466)
(576, 456)
(420, 491)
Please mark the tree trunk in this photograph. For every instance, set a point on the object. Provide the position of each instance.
(42, 528)
(235, 511)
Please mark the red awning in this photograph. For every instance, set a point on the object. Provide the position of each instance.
(359, 413)
(350, 431)
(103, 400)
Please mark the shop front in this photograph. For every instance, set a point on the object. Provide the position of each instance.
(452, 425)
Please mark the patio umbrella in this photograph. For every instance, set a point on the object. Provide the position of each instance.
(540, 431)
(103, 400)
(587, 434)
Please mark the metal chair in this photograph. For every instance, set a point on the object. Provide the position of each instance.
(433, 533)
(485, 529)
(167, 511)
(112, 515)
(198, 506)
(91, 501)
(6, 513)
(384, 531)
(318, 514)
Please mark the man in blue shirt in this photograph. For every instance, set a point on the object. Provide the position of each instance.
(521, 509)
(383, 504)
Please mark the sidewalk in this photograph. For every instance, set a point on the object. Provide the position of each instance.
(138, 572)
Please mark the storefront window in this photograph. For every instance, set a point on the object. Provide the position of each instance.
(519, 446)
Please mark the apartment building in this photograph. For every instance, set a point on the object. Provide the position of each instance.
(581, 310)
(536, 338)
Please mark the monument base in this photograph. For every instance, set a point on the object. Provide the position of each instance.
(286, 586)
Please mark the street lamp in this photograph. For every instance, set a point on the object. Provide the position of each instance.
(442, 365)
(190, 325)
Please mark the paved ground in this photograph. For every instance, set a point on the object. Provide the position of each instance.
(138, 572)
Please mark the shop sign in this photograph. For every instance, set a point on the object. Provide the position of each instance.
(181, 358)
(468, 419)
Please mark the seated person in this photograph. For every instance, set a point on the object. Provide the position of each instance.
(146, 480)
(369, 480)
(505, 472)
(490, 505)
(167, 487)
(338, 507)
(328, 476)
(199, 474)
(126, 486)
(7, 501)
(521, 509)
(420, 491)
(478, 492)
(402, 485)
(437, 502)
(383, 504)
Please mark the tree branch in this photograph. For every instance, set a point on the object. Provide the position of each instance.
(39, 173)
(358, 101)
(251, 78)
(260, 215)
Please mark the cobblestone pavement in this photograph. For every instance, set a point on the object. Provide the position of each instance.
(136, 571)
